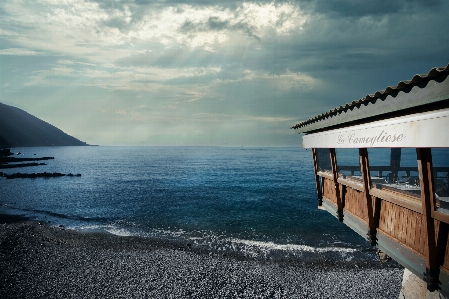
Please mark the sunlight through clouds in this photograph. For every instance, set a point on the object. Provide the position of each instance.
(217, 72)
(77, 26)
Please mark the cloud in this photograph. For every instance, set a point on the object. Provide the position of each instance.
(19, 52)
(244, 68)
(375, 8)
(87, 27)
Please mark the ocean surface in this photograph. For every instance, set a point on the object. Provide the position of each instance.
(257, 202)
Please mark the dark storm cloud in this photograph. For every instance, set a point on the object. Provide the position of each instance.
(337, 7)
(344, 41)
(356, 8)
(216, 24)
(371, 42)
(139, 9)
(213, 23)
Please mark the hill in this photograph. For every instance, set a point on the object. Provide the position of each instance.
(19, 128)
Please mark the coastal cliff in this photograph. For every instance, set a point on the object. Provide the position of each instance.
(19, 128)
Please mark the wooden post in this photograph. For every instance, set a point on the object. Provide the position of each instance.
(340, 206)
(442, 242)
(372, 226)
(427, 199)
(317, 178)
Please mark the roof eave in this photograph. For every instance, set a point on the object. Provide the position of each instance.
(431, 88)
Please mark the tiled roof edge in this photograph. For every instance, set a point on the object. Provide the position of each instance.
(390, 89)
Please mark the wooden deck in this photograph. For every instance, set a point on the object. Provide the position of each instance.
(403, 222)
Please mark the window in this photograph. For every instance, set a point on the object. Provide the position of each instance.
(348, 163)
(395, 170)
(440, 163)
(324, 160)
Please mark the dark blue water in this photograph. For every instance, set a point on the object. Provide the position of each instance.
(250, 200)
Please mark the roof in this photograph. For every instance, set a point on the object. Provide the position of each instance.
(351, 111)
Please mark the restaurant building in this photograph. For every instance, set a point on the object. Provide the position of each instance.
(382, 168)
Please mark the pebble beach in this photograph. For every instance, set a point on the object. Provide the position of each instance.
(40, 261)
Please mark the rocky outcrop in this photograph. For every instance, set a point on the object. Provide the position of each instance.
(20, 175)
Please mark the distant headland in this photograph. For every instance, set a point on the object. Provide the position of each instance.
(21, 129)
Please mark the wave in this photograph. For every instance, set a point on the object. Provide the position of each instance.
(111, 229)
(208, 241)
(204, 241)
(292, 247)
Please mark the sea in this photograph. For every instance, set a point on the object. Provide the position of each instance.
(257, 202)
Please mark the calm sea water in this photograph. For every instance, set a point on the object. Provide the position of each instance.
(256, 201)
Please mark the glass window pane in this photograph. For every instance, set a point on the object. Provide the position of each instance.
(348, 163)
(324, 159)
(440, 162)
(395, 170)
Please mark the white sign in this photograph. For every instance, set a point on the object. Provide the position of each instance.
(429, 129)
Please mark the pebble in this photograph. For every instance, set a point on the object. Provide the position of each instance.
(91, 265)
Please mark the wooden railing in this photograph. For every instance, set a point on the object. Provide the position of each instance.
(406, 225)
(439, 172)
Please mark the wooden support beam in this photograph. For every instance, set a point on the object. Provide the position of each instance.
(427, 198)
(340, 206)
(377, 207)
(317, 178)
(364, 168)
(442, 242)
(322, 189)
(343, 196)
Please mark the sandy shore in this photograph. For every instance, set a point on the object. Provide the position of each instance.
(39, 261)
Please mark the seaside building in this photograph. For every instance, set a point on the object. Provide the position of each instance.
(382, 168)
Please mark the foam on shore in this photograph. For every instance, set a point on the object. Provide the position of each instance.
(208, 241)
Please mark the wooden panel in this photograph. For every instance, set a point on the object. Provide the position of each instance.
(398, 198)
(329, 190)
(351, 182)
(326, 174)
(355, 203)
(405, 226)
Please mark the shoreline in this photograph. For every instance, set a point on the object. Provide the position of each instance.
(40, 261)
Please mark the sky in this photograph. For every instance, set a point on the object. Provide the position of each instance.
(208, 72)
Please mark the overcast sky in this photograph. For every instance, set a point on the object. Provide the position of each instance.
(208, 72)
